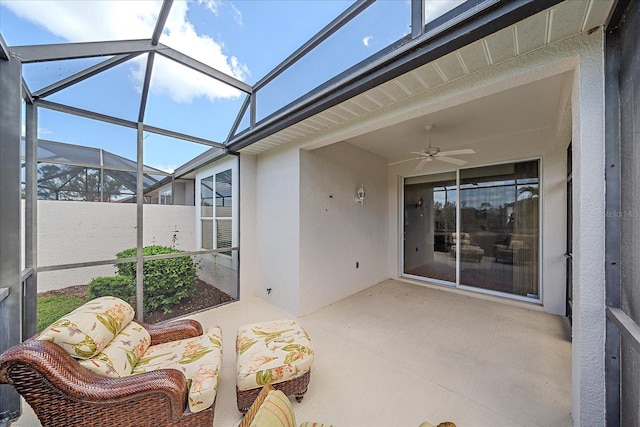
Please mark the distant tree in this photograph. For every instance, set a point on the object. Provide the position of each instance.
(65, 182)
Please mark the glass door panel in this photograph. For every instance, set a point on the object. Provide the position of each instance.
(429, 226)
(499, 223)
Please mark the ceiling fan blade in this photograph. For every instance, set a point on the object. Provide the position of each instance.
(456, 152)
(422, 163)
(458, 162)
(402, 161)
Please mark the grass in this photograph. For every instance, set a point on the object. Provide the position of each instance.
(52, 308)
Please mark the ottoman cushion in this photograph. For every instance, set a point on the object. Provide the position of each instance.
(271, 352)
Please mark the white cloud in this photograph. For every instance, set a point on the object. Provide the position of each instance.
(367, 40)
(82, 21)
(41, 131)
(236, 13)
(212, 5)
(165, 168)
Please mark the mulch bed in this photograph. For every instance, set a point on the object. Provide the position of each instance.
(205, 296)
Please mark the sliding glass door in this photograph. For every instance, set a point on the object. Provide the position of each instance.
(489, 241)
(429, 224)
(499, 212)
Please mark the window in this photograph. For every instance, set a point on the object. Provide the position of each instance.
(165, 197)
(216, 211)
(216, 196)
(223, 209)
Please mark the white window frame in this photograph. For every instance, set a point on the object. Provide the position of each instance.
(211, 171)
(162, 196)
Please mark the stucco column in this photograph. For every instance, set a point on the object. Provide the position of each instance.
(588, 370)
(249, 276)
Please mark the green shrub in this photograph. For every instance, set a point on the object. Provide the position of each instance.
(116, 286)
(166, 281)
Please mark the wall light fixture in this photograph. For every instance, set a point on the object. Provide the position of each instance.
(360, 195)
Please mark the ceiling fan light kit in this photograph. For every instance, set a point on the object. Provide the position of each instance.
(430, 153)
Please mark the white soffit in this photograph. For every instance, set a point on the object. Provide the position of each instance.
(557, 23)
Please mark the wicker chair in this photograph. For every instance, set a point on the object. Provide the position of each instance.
(64, 393)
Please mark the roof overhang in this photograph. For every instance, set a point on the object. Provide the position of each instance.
(374, 72)
(354, 108)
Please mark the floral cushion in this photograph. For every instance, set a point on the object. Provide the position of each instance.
(271, 352)
(120, 356)
(198, 358)
(87, 330)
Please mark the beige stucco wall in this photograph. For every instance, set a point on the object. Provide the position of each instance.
(249, 275)
(342, 243)
(277, 228)
(306, 233)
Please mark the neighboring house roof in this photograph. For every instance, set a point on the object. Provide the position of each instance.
(73, 159)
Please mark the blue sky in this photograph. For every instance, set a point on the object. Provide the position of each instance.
(242, 38)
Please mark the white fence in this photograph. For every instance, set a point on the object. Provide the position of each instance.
(74, 232)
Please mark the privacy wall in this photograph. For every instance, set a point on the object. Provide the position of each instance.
(74, 232)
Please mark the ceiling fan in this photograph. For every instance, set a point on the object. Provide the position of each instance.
(430, 153)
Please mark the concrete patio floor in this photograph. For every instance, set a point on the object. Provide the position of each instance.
(399, 353)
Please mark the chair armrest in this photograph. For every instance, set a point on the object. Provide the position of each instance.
(172, 331)
(47, 376)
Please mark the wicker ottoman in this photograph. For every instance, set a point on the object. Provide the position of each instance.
(278, 353)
